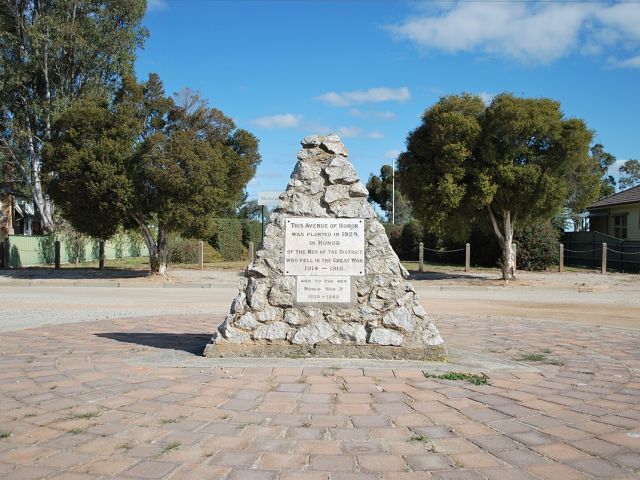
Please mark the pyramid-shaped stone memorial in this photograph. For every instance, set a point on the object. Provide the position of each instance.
(326, 282)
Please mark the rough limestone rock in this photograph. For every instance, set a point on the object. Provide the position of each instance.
(383, 319)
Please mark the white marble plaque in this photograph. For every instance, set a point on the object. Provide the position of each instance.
(324, 246)
(325, 289)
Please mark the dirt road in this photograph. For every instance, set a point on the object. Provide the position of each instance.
(32, 298)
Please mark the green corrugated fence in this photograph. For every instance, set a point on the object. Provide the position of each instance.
(33, 250)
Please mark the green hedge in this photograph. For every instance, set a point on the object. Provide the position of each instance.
(232, 236)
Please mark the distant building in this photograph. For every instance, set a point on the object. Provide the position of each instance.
(17, 216)
(617, 215)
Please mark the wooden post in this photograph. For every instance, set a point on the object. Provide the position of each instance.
(467, 257)
(421, 257)
(262, 216)
(57, 255)
(7, 250)
(561, 265)
(603, 269)
(101, 255)
(251, 253)
(201, 255)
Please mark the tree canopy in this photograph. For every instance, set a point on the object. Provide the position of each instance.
(629, 174)
(381, 192)
(162, 164)
(509, 161)
(53, 52)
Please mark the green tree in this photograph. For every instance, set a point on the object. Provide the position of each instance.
(178, 164)
(381, 191)
(51, 53)
(589, 184)
(629, 174)
(509, 161)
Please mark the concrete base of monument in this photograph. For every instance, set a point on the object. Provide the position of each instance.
(435, 353)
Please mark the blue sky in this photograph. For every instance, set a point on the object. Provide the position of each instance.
(367, 70)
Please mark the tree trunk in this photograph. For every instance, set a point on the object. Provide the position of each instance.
(44, 210)
(505, 239)
(101, 255)
(158, 250)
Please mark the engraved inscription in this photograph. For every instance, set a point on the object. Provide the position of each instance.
(331, 289)
(324, 246)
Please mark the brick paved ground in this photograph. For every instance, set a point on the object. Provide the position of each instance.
(75, 407)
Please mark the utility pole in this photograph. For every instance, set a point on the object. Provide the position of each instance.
(393, 193)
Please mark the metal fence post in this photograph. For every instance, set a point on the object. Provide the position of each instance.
(603, 268)
(467, 257)
(7, 255)
(561, 259)
(56, 259)
(201, 255)
(421, 257)
(251, 253)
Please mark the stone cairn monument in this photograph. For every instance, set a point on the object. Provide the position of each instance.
(326, 282)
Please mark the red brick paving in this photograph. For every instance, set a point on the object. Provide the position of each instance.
(77, 406)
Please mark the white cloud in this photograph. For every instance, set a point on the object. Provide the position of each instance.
(633, 62)
(157, 5)
(286, 120)
(373, 95)
(375, 135)
(528, 32)
(385, 115)
(391, 154)
(349, 132)
(380, 115)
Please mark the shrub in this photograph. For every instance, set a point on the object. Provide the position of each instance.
(211, 255)
(227, 238)
(182, 250)
(394, 233)
(47, 249)
(410, 238)
(537, 246)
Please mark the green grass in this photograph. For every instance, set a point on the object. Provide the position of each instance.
(419, 438)
(124, 446)
(539, 357)
(76, 431)
(344, 387)
(469, 377)
(84, 416)
(4, 434)
(531, 357)
(172, 446)
(173, 420)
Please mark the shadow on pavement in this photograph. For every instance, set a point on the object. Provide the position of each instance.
(414, 275)
(188, 342)
(36, 273)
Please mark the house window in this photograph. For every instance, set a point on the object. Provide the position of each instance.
(620, 226)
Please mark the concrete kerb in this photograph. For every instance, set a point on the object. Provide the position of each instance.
(458, 360)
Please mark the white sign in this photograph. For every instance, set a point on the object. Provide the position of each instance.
(330, 289)
(324, 246)
(269, 199)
